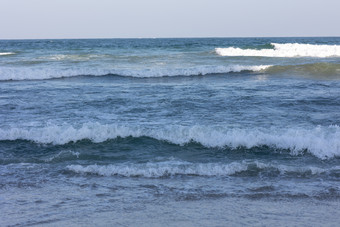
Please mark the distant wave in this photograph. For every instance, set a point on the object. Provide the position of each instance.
(73, 57)
(6, 53)
(174, 167)
(322, 142)
(285, 50)
(45, 73)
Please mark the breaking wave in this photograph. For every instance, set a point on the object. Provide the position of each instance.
(284, 50)
(41, 74)
(73, 57)
(6, 53)
(321, 70)
(173, 168)
(322, 142)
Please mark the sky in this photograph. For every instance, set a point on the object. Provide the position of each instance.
(41, 19)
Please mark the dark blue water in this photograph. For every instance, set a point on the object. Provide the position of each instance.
(170, 132)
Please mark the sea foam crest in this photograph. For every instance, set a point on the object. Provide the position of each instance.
(284, 50)
(73, 57)
(172, 168)
(161, 169)
(50, 73)
(322, 142)
(6, 53)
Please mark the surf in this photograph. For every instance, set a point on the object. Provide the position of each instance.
(45, 74)
(322, 142)
(6, 53)
(285, 50)
(183, 168)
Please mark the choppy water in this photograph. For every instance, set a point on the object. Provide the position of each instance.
(170, 131)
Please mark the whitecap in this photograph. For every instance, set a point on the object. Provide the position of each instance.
(322, 142)
(161, 169)
(6, 53)
(284, 50)
(173, 168)
(48, 73)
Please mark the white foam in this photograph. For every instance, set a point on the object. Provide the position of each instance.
(287, 169)
(172, 168)
(161, 169)
(285, 50)
(48, 73)
(62, 154)
(6, 53)
(72, 57)
(323, 142)
(31, 73)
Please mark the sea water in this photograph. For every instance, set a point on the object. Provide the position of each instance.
(174, 132)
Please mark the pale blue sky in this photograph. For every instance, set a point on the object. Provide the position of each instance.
(167, 18)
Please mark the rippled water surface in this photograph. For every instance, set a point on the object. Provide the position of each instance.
(170, 132)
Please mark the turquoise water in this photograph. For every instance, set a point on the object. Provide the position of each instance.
(170, 131)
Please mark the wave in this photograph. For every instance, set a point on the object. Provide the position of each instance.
(322, 142)
(322, 70)
(288, 50)
(46, 73)
(62, 154)
(161, 169)
(173, 168)
(6, 53)
(73, 57)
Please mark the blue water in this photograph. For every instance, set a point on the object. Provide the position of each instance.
(170, 132)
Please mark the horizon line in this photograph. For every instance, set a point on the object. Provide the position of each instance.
(184, 37)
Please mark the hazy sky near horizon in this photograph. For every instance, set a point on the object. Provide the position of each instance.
(26, 19)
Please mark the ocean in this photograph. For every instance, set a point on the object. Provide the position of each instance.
(170, 132)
